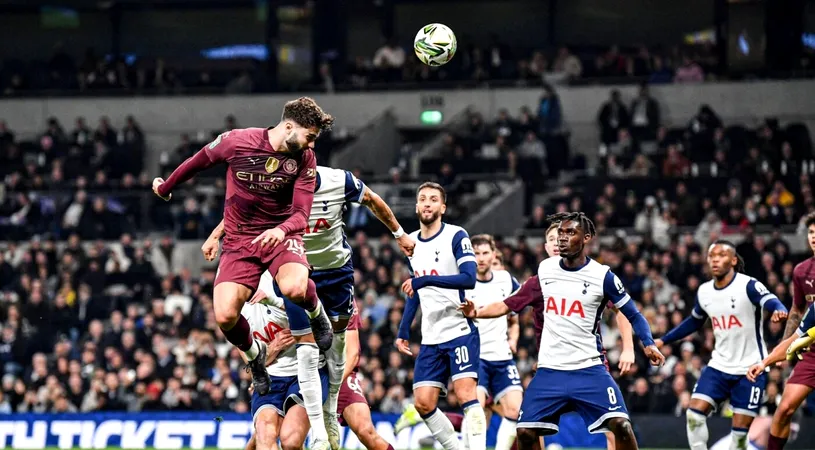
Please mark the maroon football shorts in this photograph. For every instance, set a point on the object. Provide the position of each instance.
(243, 262)
(804, 372)
(350, 393)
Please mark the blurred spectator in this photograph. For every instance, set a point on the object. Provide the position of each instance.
(612, 117)
(689, 72)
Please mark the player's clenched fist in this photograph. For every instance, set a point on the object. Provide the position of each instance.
(404, 347)
(778, 316)
(654, 355)
(210, 249)
(406, 244)
(270, 237)
(754, 371)
(407, 287)
(158, 181)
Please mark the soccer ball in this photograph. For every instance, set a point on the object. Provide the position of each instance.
(435, 44)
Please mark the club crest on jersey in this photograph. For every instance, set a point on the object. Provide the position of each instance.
(810, 298)
(437, 255)
(733, 302)
(289, 166)
(585, 288)
(272, 164)
(565, 307)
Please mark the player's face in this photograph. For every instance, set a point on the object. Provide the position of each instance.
(721, 259)
(811, 237)
(551, 243)
(484, 258)
(429, 206)
(300, 138)
(570, 239)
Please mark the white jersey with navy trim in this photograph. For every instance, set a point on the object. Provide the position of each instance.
(573, 304)
(736, 313)
(493, 332)
(441, 255)
(326, 246)
(268, 318)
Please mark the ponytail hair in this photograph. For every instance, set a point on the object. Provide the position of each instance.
(739, 264)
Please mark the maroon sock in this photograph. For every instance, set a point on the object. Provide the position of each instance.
(776, 443)
(240, 335)
(514, 445)
(311, 300)
(390, 447)
(456, 420)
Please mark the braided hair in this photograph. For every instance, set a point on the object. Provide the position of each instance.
(739, 267)
(585, 223)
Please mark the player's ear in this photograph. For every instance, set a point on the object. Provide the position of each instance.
(443, 208)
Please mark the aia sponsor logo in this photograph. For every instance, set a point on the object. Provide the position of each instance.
(725, 322)
(564, 307)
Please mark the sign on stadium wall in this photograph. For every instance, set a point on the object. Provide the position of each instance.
(204, 430)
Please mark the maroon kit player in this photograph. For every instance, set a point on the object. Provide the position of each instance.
(270, 183)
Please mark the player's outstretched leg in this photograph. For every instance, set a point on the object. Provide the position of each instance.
(294, 283)
(228, 300)
(623, 433)
(791, 399)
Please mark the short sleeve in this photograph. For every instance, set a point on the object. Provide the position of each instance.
(354, 188)
(614, 290)
(758, 293)
(698, 312)
(529, 293)
(462, 248)
(808, 321)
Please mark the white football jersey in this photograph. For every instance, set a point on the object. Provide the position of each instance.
(493, 332)
(268, 318)
(326, 246)
(736, 314)
(573, 304)
(441, 255)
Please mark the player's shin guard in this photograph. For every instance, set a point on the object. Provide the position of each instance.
(476, 425)
(697, 430)
(442, 429)
(308, 357)
(738, 439)
(506, 434)
(335, 358)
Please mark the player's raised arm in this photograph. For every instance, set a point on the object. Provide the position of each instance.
(357, 191)
(465, 259)
(690, 325)
(614, 290)
(760, 296)
(213, 153)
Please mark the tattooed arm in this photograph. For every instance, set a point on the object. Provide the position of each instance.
(799, 307)
(383, 212)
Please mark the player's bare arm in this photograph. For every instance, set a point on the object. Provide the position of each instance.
(794, 319)
(778, 354)
(513, 332)
(351, 352)
(383, 212)
(211, 245)
(490, 311)
(627, 357)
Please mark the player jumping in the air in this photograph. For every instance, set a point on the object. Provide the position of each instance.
(443, 266)
(330, 257)
(270, 182)
(280, 412)
(570, 292)
(734, 303)
(802, 381)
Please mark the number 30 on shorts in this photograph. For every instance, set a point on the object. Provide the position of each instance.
(462, 355)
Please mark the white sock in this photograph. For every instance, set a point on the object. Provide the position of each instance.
(738, 439)
(253, 351)
(441, 428)
(506, 434)
(465, 439)
(308, 357)
(316, 312)
(697, 430)
(335, 358)
(476, 425)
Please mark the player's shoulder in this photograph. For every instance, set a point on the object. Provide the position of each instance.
(706, 287)
(452, 231)
(330, 173)
(803, 268)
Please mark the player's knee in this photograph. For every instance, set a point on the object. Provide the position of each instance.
(294, 288)
(367, 435)
(290, 440)
(784, 412)
(621, 428)
(424, 406)
(225, 316)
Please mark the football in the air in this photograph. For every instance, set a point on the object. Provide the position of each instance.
(435, 44)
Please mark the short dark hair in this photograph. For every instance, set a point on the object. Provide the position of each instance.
(585, 223)
(305, 112)
(483, 239)
(432, 185)
(809, 219)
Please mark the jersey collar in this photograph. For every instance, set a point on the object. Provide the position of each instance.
(431, 237)
(562, 266)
